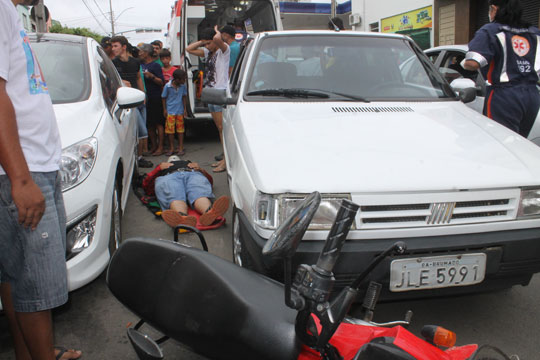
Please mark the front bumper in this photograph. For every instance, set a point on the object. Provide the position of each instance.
(512, 257)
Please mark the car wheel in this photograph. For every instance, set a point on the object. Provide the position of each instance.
(240, 256)
(115, 236)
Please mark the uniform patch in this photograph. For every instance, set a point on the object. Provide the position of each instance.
(520, 45)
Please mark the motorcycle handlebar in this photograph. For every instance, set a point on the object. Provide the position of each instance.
(337, 235)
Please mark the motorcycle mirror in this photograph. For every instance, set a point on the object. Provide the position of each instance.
(145, 347)
(285, 240)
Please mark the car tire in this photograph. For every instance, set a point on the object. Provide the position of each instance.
(240, 256)
(115, 235)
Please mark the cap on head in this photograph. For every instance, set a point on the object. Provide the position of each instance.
(173, 158)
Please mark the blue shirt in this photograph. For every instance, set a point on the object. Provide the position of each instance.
(235, 51)
(152, 89)
(506, 54)
(175, 105)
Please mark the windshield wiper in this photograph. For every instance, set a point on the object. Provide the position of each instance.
(290, 93)
(348, 96)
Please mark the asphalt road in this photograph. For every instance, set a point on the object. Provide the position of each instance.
(95, 322)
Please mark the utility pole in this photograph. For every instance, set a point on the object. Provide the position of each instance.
(333, 9)
(41, 21)
(112, 18)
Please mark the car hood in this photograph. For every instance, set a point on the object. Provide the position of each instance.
(77, 121)
(336, 148)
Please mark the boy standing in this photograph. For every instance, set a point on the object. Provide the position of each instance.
(165, 56)
(174, 102)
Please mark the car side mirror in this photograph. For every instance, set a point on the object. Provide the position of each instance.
(465, 88)
(217, 97)
(129, 97)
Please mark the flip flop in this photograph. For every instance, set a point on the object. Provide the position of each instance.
(157, 153)
(180, 152)
(219, 169)
(216, 164)
(62, 350)
(169, 153)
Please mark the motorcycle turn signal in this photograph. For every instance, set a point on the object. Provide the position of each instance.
(439, 336)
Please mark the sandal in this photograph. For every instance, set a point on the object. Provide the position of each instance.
(62, 351)
(169, 153)
(219, 169)
(180, 152)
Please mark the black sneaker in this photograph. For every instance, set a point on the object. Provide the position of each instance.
(219, 157)
(145, 163)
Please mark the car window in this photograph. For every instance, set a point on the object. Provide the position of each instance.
(451, 69)
(368, 67)
(65, 69)
(109, 79)
(433, 55)
(239, 68)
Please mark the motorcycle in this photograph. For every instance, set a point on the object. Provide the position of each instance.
(223, 311)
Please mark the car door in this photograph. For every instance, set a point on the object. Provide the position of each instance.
(448, 64)
(124, 120)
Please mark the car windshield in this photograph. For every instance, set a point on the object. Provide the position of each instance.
(351, 68)
(65, 69)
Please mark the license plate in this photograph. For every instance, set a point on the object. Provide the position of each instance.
(437, 272)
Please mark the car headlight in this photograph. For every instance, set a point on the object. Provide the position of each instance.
(529, 205)
(77, 162)
(80, 233)
(272, 210)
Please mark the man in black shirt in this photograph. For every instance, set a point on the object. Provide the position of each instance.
(129, 70)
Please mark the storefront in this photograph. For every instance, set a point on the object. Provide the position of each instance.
(416, 23)
(458, 20)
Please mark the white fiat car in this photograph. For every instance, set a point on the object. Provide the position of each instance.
(97, 123)
(340, 113)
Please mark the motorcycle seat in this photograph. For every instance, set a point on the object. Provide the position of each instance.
(218, 309)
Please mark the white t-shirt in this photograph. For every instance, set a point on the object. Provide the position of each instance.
(27, 90)
(217, 68)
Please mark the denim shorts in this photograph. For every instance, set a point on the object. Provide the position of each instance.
(186, 186)
(142, 131)
(33, 262)
(215, 108)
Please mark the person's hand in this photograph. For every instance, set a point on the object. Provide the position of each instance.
(148, 74)
(193, 165)
(164, 166)
(29, 201)
(127, 83)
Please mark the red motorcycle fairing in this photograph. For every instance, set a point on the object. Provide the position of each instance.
(349, 338)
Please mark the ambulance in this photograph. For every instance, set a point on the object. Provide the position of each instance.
(189, 17)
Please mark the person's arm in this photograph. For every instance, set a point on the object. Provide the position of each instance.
(27, 196)
(153, 77)
(195, 48)
(218, 40)
(470, 65)
(139, 81)
(164, 101)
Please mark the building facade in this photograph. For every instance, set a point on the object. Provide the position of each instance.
(24, 14)
(456, 21)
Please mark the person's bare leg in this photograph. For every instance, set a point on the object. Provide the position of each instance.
(160, 130)
(171, 142)
(179, 206)
(180, 142)
(220, 166)
(202, 205)
(21, 351)
(153, 138)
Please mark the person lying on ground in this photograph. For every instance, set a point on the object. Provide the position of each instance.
(177, 183)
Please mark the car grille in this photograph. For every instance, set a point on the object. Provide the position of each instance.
(479, 207)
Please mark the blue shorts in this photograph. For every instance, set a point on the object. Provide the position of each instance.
(215, 108)
(186, 186)
(33, 262)
(142, 131)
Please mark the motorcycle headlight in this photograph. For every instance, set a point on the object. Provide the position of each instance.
(272, 210)
(529, 205)
(77, 162)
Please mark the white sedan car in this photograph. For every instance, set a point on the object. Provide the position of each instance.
(447, 58)
(97, 119)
